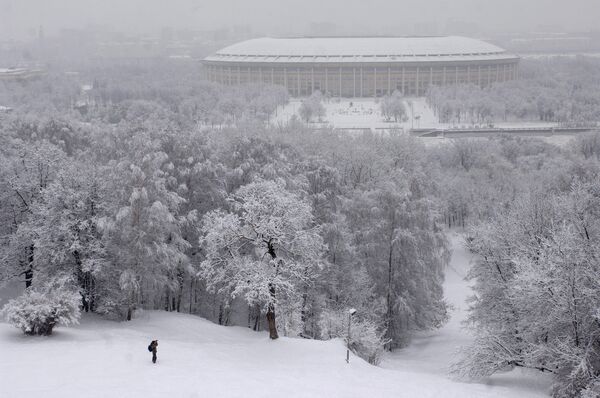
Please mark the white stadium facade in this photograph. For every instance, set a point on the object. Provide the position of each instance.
(361, 66)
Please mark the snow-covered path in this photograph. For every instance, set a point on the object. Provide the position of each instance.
(432, 352)
(197, 358)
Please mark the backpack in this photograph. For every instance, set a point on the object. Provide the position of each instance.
(150, 347)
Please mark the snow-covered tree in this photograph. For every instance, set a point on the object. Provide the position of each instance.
(27, 169)
(312, 107)
(264, 249)
(404, 252)
(392, 107)
(38, 310)
(536, 289)
(143, 230)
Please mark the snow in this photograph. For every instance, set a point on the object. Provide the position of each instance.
(364, 49)
(364, 114)
(433, 352)
(196, 358)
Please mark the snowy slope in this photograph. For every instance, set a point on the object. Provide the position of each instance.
(197, 358)
(433, 352)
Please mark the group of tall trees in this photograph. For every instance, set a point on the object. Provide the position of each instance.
(145, 201)
(139, 204)
(531, 215)
(563, 90)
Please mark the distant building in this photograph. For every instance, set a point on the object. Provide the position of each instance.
(362, 66)
(20, 73)
(556, 43)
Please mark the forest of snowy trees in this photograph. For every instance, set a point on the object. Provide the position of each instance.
(164, 192)
(563, 90)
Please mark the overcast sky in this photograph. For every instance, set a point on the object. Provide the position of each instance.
(18, 17)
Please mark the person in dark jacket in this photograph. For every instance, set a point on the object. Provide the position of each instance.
(154, 346)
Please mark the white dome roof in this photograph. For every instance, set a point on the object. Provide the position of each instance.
(363, 49)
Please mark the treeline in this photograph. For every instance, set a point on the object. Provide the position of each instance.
(139, 204)
(275, 228)
(111, 93)
(563, 90)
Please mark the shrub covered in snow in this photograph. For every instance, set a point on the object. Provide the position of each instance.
(366, 339)
(37, 312)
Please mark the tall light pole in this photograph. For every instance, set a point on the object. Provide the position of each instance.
(351, 312)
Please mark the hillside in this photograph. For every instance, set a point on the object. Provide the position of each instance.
(197, 358)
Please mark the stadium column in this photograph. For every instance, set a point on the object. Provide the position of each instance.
(260, 75)
(298, 81)
(489, 75)
(239, 75)
(272, 75)
(340, 93)
(403, 90)
(326, 80)
(354, 77)
(374, 81)
(444, 77)
(229, 76)
(312, 79)
(361, 81)
(430, 76)
(417, 83)
(504, 72)
(479, 75)
(389, 80)
(285, 79)
(468, 74)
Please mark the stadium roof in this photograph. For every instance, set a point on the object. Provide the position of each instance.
(360, 49)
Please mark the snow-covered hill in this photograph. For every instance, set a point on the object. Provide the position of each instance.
(197, 358)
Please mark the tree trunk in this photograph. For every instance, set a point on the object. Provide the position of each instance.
(303, 313)
(29, 270)
(389, 306)
(271, 307)
(271, 320)
(271, 315)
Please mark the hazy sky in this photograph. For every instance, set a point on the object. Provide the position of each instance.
(18, 17)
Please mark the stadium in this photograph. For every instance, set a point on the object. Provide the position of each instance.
(361, 66)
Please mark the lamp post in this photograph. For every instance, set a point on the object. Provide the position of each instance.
(351, 312)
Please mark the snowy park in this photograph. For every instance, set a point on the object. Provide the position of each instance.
(197, 358)
(365, 113)
(256, 199)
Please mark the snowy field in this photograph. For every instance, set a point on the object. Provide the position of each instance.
(364, 113)
(197, 358)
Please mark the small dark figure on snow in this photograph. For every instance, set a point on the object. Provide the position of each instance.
(152, 347)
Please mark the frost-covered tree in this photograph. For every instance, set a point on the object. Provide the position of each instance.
(392, 107)
(38, 310)
(264, 249)
(536, 290)
(404, 252)
(64, 224)
(312, 107)
(144, 229)
(27, 169)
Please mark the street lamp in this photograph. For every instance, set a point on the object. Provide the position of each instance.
(351, 312)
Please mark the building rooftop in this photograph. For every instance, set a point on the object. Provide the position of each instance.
(359, 49)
